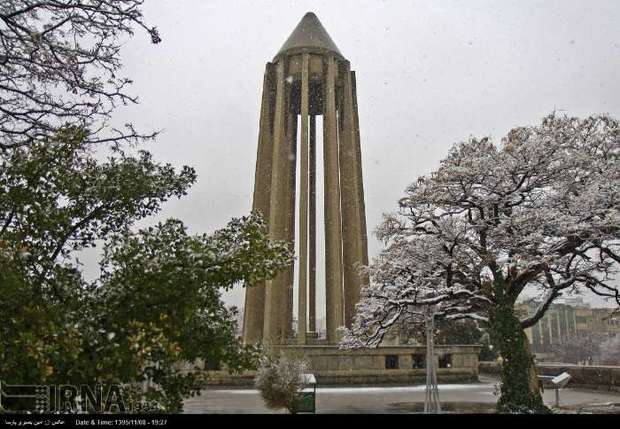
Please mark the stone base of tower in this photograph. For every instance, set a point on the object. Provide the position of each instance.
(383, 365)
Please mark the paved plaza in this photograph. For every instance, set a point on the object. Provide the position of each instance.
(461, 398)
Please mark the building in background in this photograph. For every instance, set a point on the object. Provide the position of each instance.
(565, 322)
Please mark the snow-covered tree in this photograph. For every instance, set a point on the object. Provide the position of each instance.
(279, 380)
(537, 213)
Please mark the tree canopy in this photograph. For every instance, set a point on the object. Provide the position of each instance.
(154, 312)
(537, 213)
(60, 64)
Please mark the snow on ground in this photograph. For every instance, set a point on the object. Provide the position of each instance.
(381, 389)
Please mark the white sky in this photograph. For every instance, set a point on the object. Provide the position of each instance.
(429, 73)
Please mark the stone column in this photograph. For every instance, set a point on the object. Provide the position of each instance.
(303, 205)
(360, 180)
(352, 200)
(333, 221)
(312, 229)
(255, 295)
(274, 305)
(289, 222)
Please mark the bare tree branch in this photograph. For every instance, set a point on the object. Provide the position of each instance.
(59, 61)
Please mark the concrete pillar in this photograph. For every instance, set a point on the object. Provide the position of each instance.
(312, 229)
(548, 320)
(540, 334)
(351, 200)
(254, 307)
(333, 221)
(360, 181)
(303, 205)
(289, 223)
(274, 305)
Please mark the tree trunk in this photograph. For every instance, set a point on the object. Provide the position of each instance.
(520, 389)
(534, 382)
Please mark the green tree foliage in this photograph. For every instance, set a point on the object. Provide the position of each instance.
(452, 332)
(155, 310)
(458, 332)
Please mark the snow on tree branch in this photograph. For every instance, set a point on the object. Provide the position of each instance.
(537, 210)
(59, 61)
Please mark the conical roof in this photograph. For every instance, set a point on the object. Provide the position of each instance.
(307, 36)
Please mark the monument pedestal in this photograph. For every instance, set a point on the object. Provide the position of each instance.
(383, 365)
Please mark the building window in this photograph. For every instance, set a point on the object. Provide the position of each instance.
(445, 361)
(418, 361)
(391, 362)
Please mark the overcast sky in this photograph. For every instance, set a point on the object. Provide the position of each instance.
(429, 74)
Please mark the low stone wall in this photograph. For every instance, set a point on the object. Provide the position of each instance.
(358, 378)
(333, 366)
(584, 376)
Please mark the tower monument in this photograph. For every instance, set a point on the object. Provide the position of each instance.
(308, 78)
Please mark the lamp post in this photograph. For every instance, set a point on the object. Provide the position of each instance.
(431, 401)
